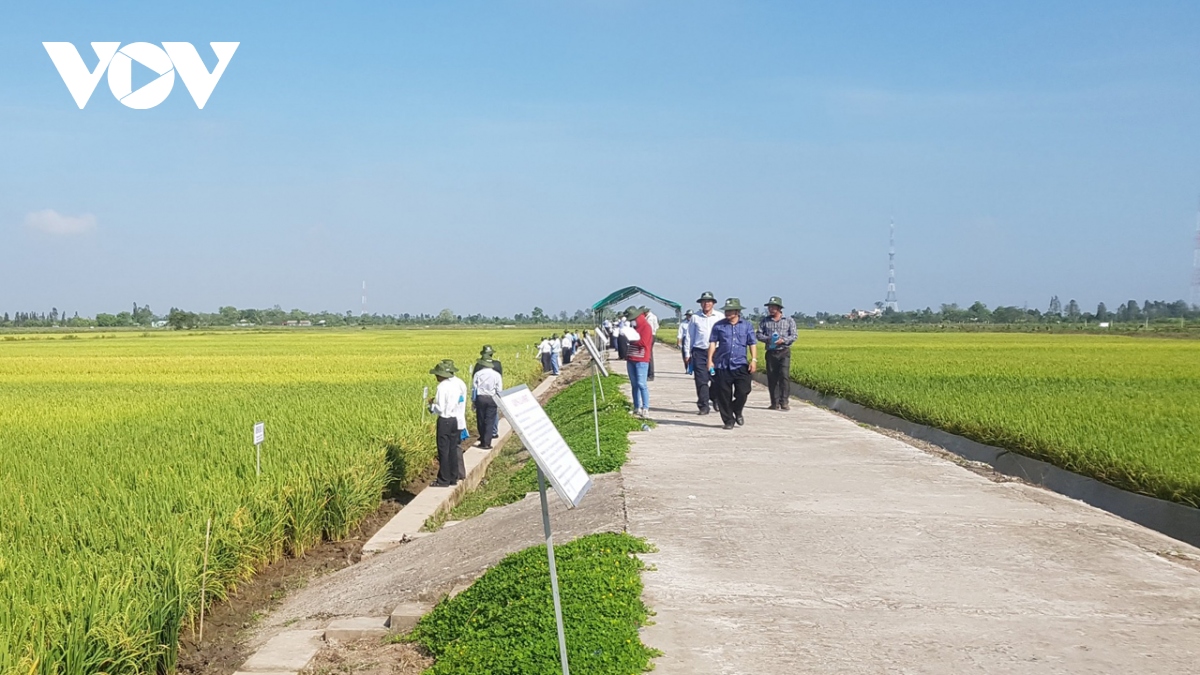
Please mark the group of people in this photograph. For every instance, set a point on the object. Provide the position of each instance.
(721, 353)
(556, 352)
(449, 404)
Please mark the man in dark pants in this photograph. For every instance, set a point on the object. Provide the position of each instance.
(727, 345)
(487, 385)
(698, 331)
(449, 403)
(487, 353)
(778, 332)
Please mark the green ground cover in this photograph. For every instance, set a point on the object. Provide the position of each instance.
(504, 623)
(116, 450)
(1125, 411)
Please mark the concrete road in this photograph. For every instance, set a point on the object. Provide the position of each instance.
(803, 543)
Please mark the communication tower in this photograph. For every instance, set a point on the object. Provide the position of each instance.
(891, 302)
(1196, 262)
(364, 300)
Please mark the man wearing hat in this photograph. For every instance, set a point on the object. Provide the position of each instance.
(697, 339)
(486, 385)
(488, 354)
(778, 332)
(449, 403)
(637, 359)
(727, 345)
(681, 339)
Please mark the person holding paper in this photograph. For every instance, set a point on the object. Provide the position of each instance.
(778, 332)
(637, 363)
(727, 362)
(449, 403)
(487, 386)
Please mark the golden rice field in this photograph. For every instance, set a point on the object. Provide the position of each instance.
(115, 450)
(1123, 410)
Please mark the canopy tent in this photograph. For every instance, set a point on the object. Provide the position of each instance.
(619, 297)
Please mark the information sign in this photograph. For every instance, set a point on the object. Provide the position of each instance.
(545, 444)
(259, 433)
(595, 354)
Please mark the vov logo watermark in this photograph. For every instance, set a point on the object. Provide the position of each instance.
(171, 58)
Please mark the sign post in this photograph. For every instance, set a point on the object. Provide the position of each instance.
(598, 367)
(259, 436)
(555, 462)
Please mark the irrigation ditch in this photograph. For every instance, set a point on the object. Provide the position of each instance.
(1177, 521)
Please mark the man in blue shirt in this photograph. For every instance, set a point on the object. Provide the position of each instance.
(727, 362)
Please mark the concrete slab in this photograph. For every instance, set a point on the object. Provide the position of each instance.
(288, 651)
(803, 542)
(356, 628)
(405, 616)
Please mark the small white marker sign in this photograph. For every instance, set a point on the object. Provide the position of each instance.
(545, 444)
(259, 432)
(596, 358)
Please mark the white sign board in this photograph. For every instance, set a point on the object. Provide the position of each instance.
(596, 357)
(259, 433)
(545, 444)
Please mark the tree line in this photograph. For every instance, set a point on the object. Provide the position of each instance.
(1149, 311)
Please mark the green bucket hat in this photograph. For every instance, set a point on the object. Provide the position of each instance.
(485, 363)
(487, 351)
(707, 295)
(775, 300)
(632, 312)
(732, 305)
(442, 370)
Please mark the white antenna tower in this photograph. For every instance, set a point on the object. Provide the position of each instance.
(1196, 262)
(890, 302)
(364, 300)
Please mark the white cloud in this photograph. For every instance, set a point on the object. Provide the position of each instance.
(53, 222)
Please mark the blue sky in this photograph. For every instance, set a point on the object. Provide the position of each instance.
(493, 156)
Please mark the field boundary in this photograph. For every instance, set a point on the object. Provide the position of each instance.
(1177, 521)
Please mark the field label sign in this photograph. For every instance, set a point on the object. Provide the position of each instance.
(259, 433)
(596, 358)
(545, 444)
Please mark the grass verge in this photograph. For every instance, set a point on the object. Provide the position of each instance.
(511, 475)
(504, 623)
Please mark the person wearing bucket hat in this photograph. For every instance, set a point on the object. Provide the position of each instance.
(543, 349)
(555, 354)
(487, 353)
(486, 386)
(637, 362)
(699, 329)
(449, 403)
(727, 362)
(681, 340)
(777, 332)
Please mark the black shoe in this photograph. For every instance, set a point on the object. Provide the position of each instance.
(704, 411)
(773, 407)
(727, 426)
(740, 420)
(485, 447)
(785, 407)
(438, 483)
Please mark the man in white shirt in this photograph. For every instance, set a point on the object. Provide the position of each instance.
(698, 331)
(449, 403)
(544, 354)
(681, 339)
(487, 386)
(555, 353)
(568, 344)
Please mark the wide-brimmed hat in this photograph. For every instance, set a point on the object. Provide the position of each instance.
(443, 370)
(732, 305)
(775, 300)
(487, 351)
(707, 295)
(485, 363)
(632, 312)
(688, 313)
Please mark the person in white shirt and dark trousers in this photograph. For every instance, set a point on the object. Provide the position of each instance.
(568, 348)
(699, 330)
(556, 346)
(487, 386)
(449, 403)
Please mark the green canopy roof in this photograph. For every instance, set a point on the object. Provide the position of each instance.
(618, 297)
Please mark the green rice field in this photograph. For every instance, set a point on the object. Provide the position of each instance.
(117, 449)
(1123, 410)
